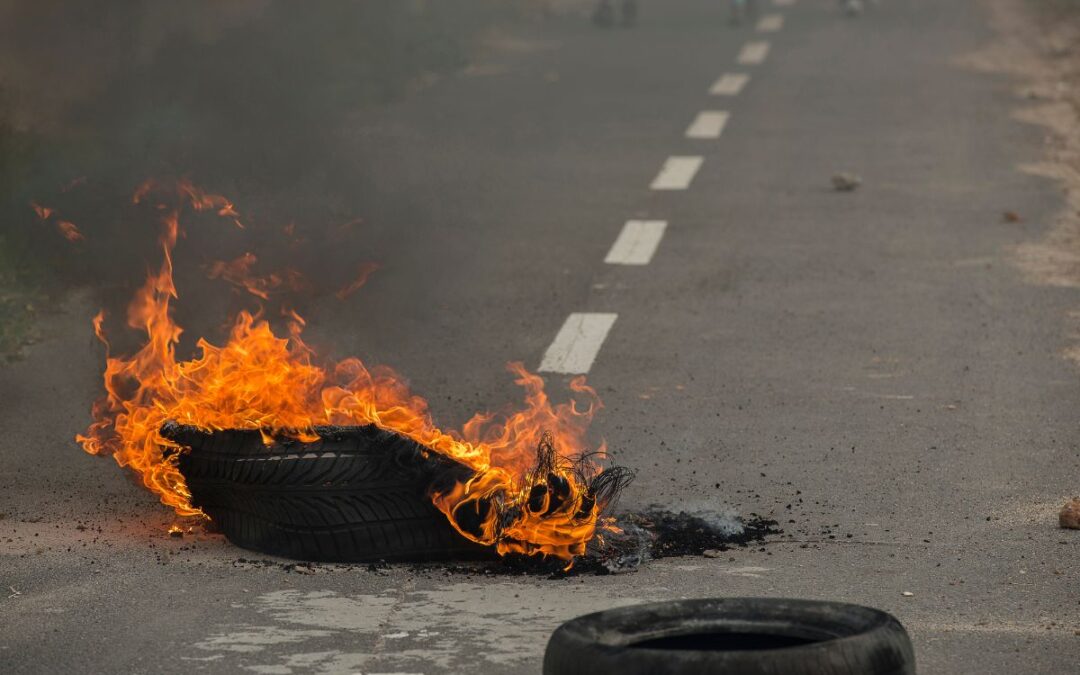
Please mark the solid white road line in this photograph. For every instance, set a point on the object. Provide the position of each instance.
(708, 124)
(770, 23)
(729, 84)
(636, 243)
(677, 173)
(578, 342)
(753, 53)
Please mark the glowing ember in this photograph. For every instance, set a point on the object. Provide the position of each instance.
(365, 272)
(42, 212)
(68, 229)
(238, 273)
(258, 380)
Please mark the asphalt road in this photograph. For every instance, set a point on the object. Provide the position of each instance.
(866, 367)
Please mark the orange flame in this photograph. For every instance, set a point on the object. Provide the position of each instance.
(42, 212)
(238, 272)
(144, 189)
(70, 232)
(202, 201)
(74, 183)
(366, 270)
(66, 228)
(97, 322)
(258, 380)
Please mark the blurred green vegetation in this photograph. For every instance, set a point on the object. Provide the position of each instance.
(20, 282)
(19, 298)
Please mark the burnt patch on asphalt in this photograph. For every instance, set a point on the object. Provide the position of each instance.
(690, 534)
(631, 541)
(628, 542)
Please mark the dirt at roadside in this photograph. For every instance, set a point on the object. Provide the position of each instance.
(1038, 44)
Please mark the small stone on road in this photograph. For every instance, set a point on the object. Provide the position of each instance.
(846, 182)
(1069, 518)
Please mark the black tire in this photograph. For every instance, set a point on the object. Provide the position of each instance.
(747, 636)
(358, 494)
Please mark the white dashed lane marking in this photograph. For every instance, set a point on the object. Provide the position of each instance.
(677, 173)
(753, 53)
(708, 124)
(770, 23)
(637, 242)
(582, 334)
(577, 344)
(729, 84)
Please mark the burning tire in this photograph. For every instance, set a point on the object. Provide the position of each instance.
(748, 636)
(357, 494)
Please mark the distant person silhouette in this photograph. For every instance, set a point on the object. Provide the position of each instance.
(743, 10)
(606, 16)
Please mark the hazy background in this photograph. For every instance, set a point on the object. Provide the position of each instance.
(247, 98)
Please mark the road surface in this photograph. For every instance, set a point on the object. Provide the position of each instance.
(652, 206)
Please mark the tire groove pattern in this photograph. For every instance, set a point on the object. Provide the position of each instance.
(359, 494)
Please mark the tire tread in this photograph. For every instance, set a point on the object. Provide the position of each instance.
(356, 495)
